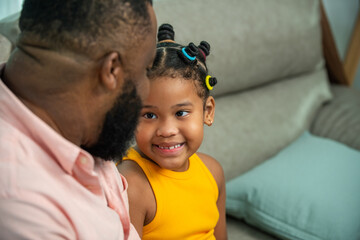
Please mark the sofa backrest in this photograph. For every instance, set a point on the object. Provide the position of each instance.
(253, 42)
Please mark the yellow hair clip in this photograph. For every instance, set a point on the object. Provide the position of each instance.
(207, 82)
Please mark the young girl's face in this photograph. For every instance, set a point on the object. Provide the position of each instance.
(172, 122)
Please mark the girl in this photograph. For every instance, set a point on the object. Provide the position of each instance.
(175, 192)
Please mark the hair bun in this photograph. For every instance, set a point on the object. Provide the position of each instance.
(204, 47)
(212, 81)
(192, 50)
(166, 32)
(189, 53)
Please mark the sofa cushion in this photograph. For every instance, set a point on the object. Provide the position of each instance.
(340, 118)
(251, 126)
(252, 41)
(310, 190)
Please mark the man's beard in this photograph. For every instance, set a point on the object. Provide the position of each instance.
(119, 127)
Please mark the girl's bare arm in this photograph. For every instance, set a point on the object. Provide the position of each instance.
(218, 174)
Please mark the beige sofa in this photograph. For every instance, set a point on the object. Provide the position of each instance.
(272, 82)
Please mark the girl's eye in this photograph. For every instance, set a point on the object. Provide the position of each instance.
(149, 116)
(181, 113)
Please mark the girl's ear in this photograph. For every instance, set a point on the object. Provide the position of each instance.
(209, 112)
(111, 72)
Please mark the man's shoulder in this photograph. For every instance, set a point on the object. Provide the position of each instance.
(18, 153)
(13, 142)
(9, 138)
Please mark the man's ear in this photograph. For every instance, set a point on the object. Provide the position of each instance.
(209, 112)
(111, 72)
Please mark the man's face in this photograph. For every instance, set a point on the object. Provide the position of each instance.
(119, 126)
(121, 121)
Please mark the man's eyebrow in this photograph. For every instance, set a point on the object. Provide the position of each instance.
(184, 104)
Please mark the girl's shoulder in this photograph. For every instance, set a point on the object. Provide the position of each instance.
(131, 171)
(214, 167)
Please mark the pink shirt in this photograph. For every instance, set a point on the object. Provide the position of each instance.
(52, 189)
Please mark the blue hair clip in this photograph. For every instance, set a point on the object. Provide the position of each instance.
(187, 55)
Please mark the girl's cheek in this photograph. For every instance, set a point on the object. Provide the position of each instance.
(194, 130)
(145, 131)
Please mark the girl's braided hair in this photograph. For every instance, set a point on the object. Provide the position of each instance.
(171, 61)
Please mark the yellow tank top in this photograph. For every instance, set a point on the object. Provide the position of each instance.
(185, 201)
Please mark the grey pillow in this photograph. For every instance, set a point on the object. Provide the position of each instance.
(339, 119)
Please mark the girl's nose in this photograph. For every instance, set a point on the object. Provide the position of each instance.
(167, 129)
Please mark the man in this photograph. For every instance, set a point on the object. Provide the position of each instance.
(74, 82)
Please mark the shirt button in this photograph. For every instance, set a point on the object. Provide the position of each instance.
(83, 160)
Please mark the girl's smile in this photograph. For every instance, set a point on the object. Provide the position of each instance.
(169, 150)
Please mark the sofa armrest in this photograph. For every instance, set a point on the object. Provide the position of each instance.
(339, 119)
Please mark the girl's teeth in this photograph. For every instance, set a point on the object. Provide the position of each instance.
(172, 147)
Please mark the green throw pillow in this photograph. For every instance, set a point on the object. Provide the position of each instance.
(310, 190)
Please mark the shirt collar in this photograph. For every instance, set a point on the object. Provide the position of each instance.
(13, 111)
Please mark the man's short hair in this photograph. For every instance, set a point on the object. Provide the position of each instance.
(82, 26)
